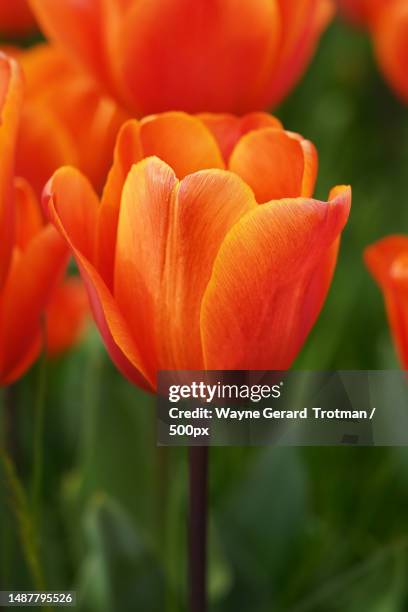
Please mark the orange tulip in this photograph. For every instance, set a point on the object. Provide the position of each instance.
(65, 120)
(207, 250)
(16, 17)
(32, 254)
(387, 20)
(38, 261)
(387, 261)
(11, 96)
(201, 55)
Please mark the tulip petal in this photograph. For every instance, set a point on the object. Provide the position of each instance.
(269, 281)
(180, 140)
(311, 165)
(128, 151)
(72, 195)
(140, 250)
(78, 28)
(169, 234)
(197, 56)
(33, 275)
(66, 117)
(228, 129)
(387, 261)
(35, 161)
(310, 168)
(381, 257)
(16, 18)
(29, 220)
(71, 204)
(11, 97)
(25, 362)
(302, 23)
(390, 31)
(272, 162)
(206, 206)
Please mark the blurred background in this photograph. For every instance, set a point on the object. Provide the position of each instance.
(293, 530)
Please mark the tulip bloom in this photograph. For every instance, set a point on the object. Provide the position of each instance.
(201, 55)
(207, 250)
(39, 257)
(32, 255)
(387, 261)
(387, 21)
(16, 18)
(65, 120)
(11, 97)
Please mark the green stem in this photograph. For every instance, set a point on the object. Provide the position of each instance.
(25, 524)
(38, 440)
(90, 401)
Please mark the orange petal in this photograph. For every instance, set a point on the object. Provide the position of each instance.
(387, 261)
(269, 281)
(94, 123)
(43, 64)
(16, 17)
(32, 277)
(11, 95)
(67, 315)
(228, 129)
(182, 141)
(168, 237)
(272, 162)
(141, 249)
(128, 151)
(71, 195)
(43, 146)
(311, 161)
(66, 117)
(78, 28)
(69, 187)
(302, 24)
(381, 256)
(390, 31)
(8, 377)
(29, 219)
(196, 56)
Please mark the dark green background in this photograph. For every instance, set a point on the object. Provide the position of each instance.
(293, 530)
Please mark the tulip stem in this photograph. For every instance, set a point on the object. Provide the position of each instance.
(197, 528)
(21, 511)
(38, 439)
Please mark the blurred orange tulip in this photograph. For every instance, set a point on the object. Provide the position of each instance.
(387, 20)
(207, 250)
(11, 98)
(65, 120)
(38, 261)
(16, 18)
(32, 255)
(201, 55)
(387, 261)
